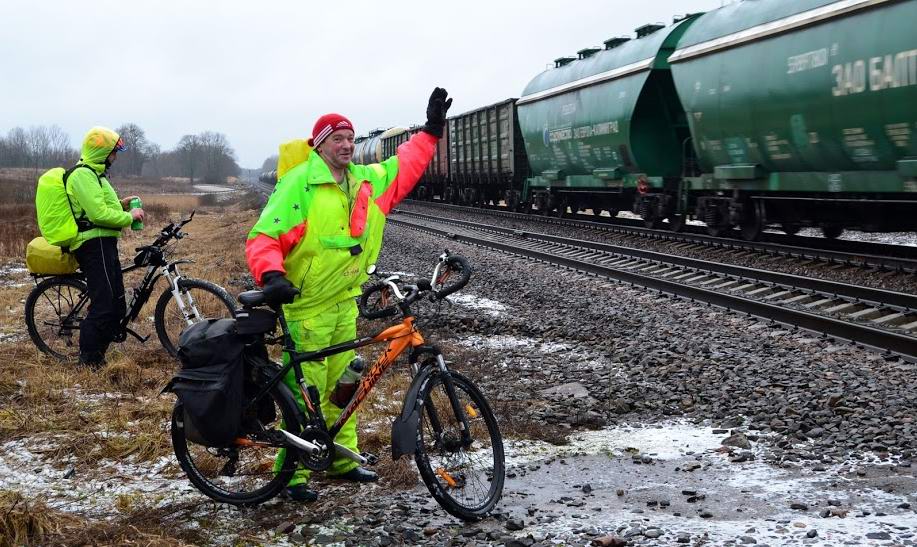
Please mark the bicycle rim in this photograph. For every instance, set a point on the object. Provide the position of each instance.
(243, 474)
(467, 481)
(200, 299)
(54, 313)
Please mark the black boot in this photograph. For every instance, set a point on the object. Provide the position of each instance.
(302, 494)
(358, 474)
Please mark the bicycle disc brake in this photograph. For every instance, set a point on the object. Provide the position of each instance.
(322, 460)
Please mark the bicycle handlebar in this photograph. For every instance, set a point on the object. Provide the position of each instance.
(391, 299)
(171, 231)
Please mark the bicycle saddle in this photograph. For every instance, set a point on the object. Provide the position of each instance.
(250, 299)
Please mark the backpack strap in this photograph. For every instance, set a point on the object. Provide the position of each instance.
(82, 223)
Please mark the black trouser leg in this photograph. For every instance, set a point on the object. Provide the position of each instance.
(98, 258)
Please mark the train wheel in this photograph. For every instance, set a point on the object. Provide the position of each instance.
(790, 228)
(832, 231)
(677, 222)
(653, 222)
(753, 222)
(718, 230)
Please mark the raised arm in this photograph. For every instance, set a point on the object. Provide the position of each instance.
(403, 170)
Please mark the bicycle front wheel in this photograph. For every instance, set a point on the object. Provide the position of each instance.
(245, 473)
(465, 479)
(54, 311)
(197, 300)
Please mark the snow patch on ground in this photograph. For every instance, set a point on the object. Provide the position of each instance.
(489, 307)
(14, 275)
(501, 341)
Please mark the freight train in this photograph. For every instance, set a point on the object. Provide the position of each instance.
(785, 113)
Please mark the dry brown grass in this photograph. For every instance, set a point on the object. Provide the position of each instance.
(29, 521)
(89, 415)
(17, 228)
(117, 413)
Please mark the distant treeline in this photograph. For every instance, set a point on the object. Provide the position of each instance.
(205, 157)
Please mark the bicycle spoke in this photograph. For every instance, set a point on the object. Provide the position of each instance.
(53, 316)
(465, 478)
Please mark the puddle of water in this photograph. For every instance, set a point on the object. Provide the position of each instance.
(744, 499)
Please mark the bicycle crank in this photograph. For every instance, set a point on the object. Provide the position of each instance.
(315, 448)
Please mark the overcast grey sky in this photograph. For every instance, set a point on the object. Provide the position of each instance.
(262, 72)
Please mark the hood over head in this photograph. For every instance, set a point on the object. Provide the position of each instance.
(98, 144)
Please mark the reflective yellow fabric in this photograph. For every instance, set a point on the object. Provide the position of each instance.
(292, 154)
(43, 258)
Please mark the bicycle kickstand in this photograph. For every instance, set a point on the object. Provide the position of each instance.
(142, 339)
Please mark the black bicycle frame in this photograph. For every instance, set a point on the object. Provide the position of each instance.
(141, 294)
(310, 393)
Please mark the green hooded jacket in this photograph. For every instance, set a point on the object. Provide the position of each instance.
(91, 195)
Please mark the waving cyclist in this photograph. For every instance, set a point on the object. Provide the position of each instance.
(310, 248)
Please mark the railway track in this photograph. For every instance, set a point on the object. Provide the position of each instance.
(876, 318)
(883, 257)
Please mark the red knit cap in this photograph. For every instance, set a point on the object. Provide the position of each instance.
(326, 125)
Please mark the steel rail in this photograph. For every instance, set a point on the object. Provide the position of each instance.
(897, 300)
(898, 258)
(518, 243)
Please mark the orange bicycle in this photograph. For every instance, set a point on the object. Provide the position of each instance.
(445, 422)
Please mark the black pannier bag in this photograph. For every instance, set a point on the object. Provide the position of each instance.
(209, 385)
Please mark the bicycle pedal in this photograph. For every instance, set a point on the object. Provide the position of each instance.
(371, 459)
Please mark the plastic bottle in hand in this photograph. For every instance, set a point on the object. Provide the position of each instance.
(347, 383)
(137, 224)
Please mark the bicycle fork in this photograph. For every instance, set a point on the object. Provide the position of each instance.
(457, 409)
(188, 309)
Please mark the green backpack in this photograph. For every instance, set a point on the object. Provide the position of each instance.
(56, 221)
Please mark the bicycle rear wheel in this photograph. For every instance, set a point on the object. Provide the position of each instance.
(242, 474)
(200, 299)
(53, 313)
(466, 480)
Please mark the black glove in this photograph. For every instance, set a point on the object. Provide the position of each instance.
(436, 112)
(277, 290)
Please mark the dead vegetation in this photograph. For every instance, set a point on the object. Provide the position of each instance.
(74, 418)
(28, 520)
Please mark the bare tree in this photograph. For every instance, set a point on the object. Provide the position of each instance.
(130, 162)
(18, 142)
(153, 164)
(218, 157)
(61, 153)
(270, 164)
(39, 146)
(189, 154)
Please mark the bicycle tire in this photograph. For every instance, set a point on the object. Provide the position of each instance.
(46, 309)
(444, 465)
(205, 469)
(169, 321)
(453, 276)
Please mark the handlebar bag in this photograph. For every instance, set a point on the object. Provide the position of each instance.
(210, 382)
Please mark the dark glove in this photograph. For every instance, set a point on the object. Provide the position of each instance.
(277, 290)
(436, 112)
